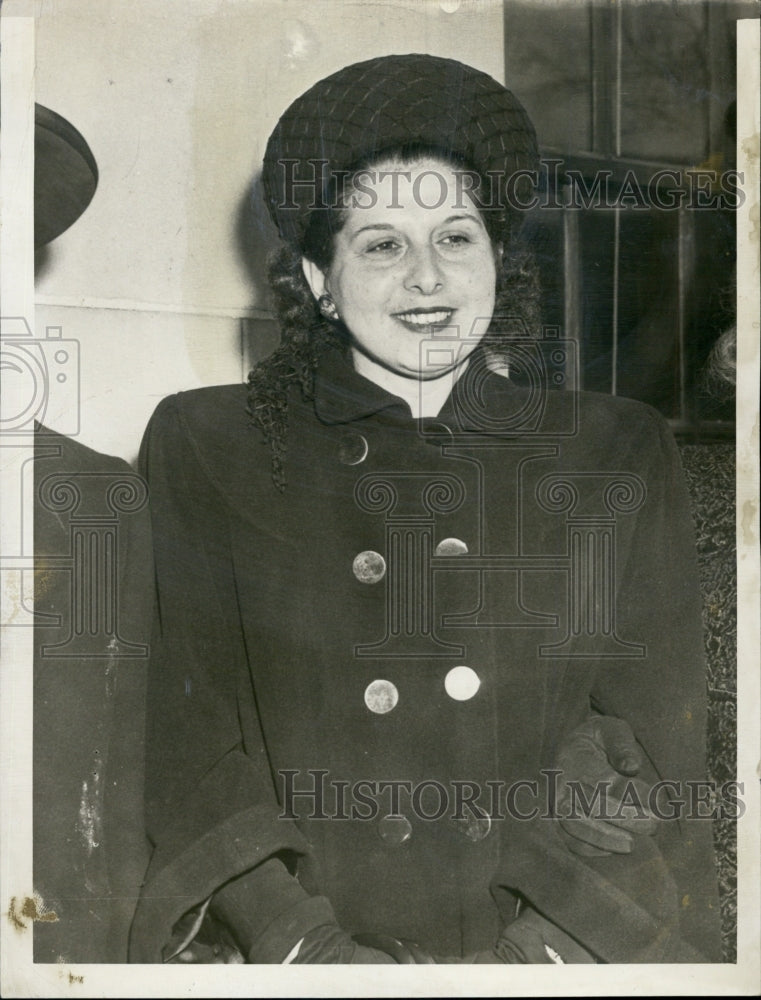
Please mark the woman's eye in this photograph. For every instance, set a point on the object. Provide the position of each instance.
(385, 246)
(454, 239)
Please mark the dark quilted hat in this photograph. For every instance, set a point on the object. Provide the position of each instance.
(372, 106)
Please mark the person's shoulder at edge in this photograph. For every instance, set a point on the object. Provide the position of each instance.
(66, 453)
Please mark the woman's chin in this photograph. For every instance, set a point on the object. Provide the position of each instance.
(446, 369)
(431, 374)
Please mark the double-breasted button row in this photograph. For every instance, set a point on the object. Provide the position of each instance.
(370, 566)
(461, 684)
(396, 830)
(353, 447)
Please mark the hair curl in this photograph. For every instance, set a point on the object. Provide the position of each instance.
(720, 373)
(305, 334)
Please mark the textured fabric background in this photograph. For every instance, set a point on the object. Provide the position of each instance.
(710, 474)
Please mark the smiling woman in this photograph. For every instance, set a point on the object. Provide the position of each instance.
(401, 595)
(364, 217)
(414, 264)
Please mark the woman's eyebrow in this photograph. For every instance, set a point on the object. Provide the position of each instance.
(376, 225)
(384, 226)
(463, 217)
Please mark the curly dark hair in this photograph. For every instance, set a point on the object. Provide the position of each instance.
(305, 334)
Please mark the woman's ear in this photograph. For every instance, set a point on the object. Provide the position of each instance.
(315, 277)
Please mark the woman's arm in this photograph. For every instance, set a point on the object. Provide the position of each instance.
(657, 903)
(212, 813)
(663, 696)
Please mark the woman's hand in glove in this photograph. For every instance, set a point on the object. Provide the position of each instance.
(528, 940)
(531, 940)
(329, 945)
(600, 801)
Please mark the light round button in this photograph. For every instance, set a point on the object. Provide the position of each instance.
(474, 828)
(381, 696)
(352, 448)
(369, 567)
(462, 683)
(451, 547)
(394, 830)
(439, 433)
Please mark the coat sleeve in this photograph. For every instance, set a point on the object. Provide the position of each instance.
(664, 696)
(659, 903)
(211, 808)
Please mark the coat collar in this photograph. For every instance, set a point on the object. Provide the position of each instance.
(342, 395)
(480, 402)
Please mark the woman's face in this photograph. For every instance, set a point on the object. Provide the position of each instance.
(413, 273)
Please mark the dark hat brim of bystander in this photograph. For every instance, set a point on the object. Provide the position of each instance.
(65, 175)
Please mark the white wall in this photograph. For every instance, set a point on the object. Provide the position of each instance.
(176, 99)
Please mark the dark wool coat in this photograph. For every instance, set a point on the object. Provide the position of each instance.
(92, 597)
(542, 539)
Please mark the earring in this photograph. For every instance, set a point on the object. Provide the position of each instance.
(327, 307)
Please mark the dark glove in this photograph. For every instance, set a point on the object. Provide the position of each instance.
(601, 757)
(528, 940)
(258, 918)
(329, 945)
(531, 940)
(325, 944)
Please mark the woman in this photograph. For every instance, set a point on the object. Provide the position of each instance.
(393, 584)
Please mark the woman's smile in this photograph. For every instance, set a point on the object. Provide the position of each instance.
(423, 320)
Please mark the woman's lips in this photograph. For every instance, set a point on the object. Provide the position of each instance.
(424, 319)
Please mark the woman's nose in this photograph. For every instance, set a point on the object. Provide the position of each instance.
(424, 272)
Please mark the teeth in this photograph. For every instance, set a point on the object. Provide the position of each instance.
(426, 319)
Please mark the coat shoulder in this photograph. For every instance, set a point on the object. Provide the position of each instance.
(618, 410)
(210, 428)
(213, 411)
(209, 419)
(580, 421)
(622, 426)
